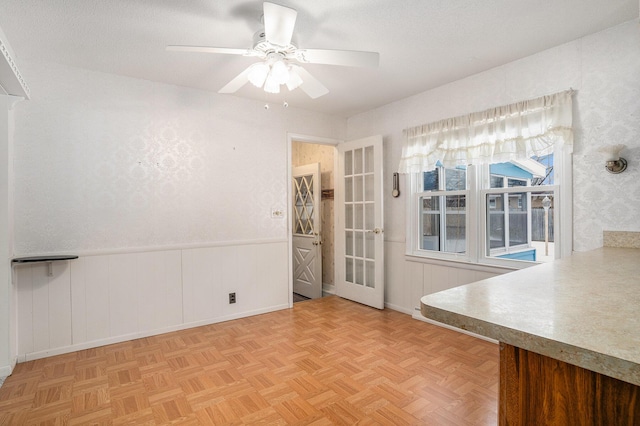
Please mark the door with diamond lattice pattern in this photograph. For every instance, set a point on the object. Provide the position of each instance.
(307, 253)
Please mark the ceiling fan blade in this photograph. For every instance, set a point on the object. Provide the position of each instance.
(310, 85)
(206, 49)
(235, 84)
(278, 23)
(349, 58)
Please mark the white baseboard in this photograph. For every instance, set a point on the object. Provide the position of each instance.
(6, 370)
(398, 308)
(126, 337)
(328, 289)
(417, 315)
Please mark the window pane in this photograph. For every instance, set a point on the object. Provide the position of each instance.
(496, 230)
(456, 225)
(538, 219)
(369, 216)
(371, 274)
(518, 219)
(370, 245)
(357, 188)
(348, 189)
(368, 159)
(431, 204)
(430, 181)
(357, 161)
(547, 162)
(359, 244)
(455, 179)
(348, 163)
(452, 230)
(516, 182)
(430, 219)
(368, 188)
(542, 226)
(535, 170)
(495, 208)
(348, 216)
(496, 181)
(359, 271)
(358, 218)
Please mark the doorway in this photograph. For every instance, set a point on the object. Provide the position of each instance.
(306, 152)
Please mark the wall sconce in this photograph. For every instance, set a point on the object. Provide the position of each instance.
(614, 163)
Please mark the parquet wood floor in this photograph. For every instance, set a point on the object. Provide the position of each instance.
(326, 361)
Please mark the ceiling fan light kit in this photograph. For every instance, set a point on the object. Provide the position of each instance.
(273, 46)
(294, 79)
(258, 73)
(273, 73)
(280, 72)
(271, 85)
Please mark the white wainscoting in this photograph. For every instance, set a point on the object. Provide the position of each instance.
(432, 276)
(108, 298)
(407, 279)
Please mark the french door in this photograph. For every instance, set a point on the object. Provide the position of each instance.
(359, 222)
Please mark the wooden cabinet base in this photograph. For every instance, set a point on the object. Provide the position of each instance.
(538, 390)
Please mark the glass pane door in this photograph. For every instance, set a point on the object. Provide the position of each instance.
(359, 244)
(304, 205)
(359, 217)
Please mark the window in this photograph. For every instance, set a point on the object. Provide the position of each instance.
(512, 194)
(443, 210)
(496, 213)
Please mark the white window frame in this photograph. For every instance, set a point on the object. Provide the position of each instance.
(508, 248)
(416, 194)
(478, 179)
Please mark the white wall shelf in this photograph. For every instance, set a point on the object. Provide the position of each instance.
(43, 259)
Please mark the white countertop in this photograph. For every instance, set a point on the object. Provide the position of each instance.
(584, 310)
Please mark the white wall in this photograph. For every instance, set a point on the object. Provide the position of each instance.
(603, 68)
(101, 299)
(109, 162)
(165, 193)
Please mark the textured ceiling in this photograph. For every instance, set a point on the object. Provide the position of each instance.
(422, 43)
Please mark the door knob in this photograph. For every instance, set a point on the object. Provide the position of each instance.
(375, 231)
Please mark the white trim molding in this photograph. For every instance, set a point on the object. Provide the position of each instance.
(11, 79)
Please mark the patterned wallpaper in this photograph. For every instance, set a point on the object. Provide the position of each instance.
(609, 113)
(307, 153)
(109, 162)
(603, 68)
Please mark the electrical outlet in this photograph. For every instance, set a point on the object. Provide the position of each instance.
(232, 298)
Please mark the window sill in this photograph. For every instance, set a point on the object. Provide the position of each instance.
(465, 264)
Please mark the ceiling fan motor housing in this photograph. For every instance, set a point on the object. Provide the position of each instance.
(264, 47)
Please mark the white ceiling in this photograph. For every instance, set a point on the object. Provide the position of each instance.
(422, 43)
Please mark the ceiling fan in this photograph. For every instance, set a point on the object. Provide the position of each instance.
(280, 58)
